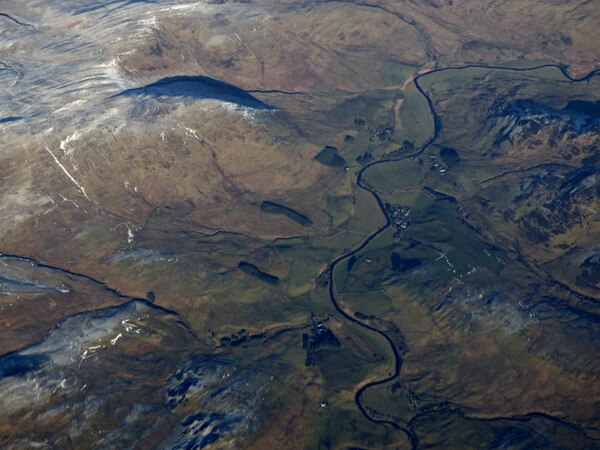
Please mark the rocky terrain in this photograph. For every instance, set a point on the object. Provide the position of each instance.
(282, 224)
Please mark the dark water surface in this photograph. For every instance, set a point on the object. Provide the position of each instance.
(198, 87)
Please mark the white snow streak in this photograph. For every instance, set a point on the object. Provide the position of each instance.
(69, 175)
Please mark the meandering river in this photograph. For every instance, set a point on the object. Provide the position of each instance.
(397, 363)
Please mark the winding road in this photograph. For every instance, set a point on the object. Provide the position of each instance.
(408, 429)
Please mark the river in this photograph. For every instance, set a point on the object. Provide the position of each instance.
(397, 363)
